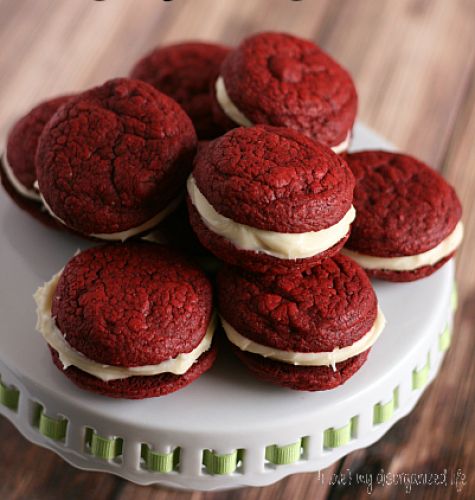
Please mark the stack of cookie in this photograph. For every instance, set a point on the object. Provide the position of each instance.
(240, 154)
(274, 200)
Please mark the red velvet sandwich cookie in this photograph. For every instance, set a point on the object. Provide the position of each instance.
(112, 162)
(17, 165)
(185, 72)
(270, 199)
(309, 330)
(128, 321)
(279, 79)
(408, 220)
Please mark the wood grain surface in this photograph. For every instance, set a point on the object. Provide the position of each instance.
(414, 66)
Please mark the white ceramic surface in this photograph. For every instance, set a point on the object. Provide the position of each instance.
(224, 410)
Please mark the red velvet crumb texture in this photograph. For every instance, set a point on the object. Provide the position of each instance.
(113, 157)
(132, 305)
(23, 139)
(274, 179)
(185, 72)
(403, 206)
(279, 79)
(331, 305)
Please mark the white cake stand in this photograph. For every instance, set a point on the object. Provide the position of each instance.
(226, 429)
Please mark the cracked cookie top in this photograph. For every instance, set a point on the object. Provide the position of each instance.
(274, 179)
(114, 156)
(330, 305)
(184, 71)
(279, 79)
(403, 207)
(132, 304)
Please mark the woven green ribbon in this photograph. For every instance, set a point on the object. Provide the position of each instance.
(420, 377)
(9, 396)
(454, 298)
(160, 462)
(333, 438)
(383, 412)
(284, 455)
(52, 428)
(221, 464)
(445, 339)
(103, 448)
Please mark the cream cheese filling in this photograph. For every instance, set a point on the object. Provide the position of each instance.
(308, 358)
(128, 233)
(232, 111)
(31, 194)
(411, 262)
(280, 245)
(229, 108)
(70, 357)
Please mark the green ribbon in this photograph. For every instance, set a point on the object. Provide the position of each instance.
(160, 462)
(454, 298)
(383, 412)
(420, 377)
(9, 396)
(103, 448)
(284, 455)
(52, 428)
(445, 339)
(221, 464)
(334, 438)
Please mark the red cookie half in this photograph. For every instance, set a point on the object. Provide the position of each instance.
(17, 164)
(300, 315)
(185, 72)
(268, 198)
(301, 378)
(281, 80)
(130, 306)
(113, 161)
(408, 220)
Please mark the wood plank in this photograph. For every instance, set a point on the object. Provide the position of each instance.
(411, 61)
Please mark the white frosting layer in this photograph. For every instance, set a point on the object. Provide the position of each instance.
(411, 262)
(128, 233)
(31, 194)
(281, 245)
(229, 108)
(68, 356)
(232, 111)
(308, 358)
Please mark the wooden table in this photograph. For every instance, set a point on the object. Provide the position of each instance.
(414, 66)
